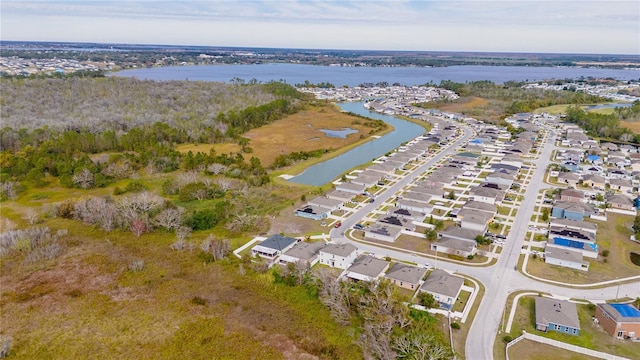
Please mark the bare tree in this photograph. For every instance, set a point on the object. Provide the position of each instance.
(83, 179)
(170, 218)
(97, 211)
(138, 227)
(219, 249)
(216, 168)
(8, 190)
(141, 203)
(187, 178)
(31, 216)
(333, 295)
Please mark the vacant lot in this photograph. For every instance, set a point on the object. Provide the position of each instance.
(531, 350)
(613, 235)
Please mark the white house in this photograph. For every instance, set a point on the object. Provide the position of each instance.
(339, 256)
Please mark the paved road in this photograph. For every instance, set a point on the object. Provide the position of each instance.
(500, 279)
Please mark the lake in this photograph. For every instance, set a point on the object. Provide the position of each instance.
(329, 170)
(354, 76)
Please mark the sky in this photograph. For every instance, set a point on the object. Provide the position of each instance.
(601, 27)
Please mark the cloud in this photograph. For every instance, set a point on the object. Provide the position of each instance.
(553, 26)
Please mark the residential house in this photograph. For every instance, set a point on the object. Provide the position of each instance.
(339, 256)
(327, 203)
(474, 220)
(312, 212)
(621, 202)
(502, 177)
(411, 205)
(571, 210)
(572, 195)
(622, 185)
(401, 221)
(489, 193)
(383, 232)
(343, 196)
(556, 315)
(576, 240)
(584, 226)
(568, 178)
(366, 181)
(457, 241)
(619, 320)
(406, 276)
(305, 252)
(594, 181)
(444, 287)
(367, 268)
(407, 214)
(565, 257)
(273, 246)
(351, 187)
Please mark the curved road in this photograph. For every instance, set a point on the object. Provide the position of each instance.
(500, 279)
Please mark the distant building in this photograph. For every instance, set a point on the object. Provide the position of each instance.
(444, 287)
(367, 268)
(339, 256)
(406, 276)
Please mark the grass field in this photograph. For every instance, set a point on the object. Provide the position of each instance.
(613, 235)
(86, 304)
(631, 125)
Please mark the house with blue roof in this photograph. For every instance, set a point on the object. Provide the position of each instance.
(619, 320)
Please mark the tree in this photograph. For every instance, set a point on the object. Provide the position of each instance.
(545, 214)
(451, 195)
(636, 225)
(170, 218)
(84, 179)
(427, 300)
(481, 240)
(431, 234)
(217, 248)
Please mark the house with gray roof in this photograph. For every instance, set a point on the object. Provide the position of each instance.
(621, 202)
(306, 252)
(565, 257)
(556, 315)
(367, 268)
(384, 232)
(343, 196)
(406, 276)
(412, 205)
(339, 256)
(273, 246)
(444, 287)
(356, 189)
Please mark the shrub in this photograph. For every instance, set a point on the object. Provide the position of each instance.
(470, 257)
(455, 326)
(197, 300)
(605, 252)
(507, 339)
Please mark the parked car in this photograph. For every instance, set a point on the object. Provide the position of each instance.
(358, 226)
(337, 225)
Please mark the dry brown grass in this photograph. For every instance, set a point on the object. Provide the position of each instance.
(86, 304)
(301, 132)
(484, 109)
(631, 125)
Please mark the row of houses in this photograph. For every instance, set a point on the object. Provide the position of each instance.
(444, 287)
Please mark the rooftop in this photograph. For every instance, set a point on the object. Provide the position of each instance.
(560, 312)
(443, 283)
(406, 273)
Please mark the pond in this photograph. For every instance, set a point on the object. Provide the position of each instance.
(342, 134)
